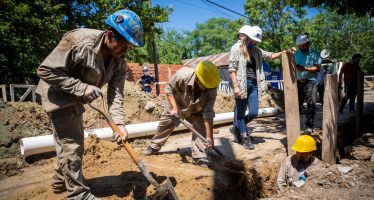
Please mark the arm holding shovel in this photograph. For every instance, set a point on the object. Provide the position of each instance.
(209, 133)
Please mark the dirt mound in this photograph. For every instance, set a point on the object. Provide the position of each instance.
(362, 148)
(28, 119)
(273, 98)
(340, 181)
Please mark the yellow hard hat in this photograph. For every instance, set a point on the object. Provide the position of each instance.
(304, 143)
(208, 74)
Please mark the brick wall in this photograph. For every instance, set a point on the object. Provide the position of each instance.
(135, 71)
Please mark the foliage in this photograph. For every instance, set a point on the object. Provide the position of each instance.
(173, 47)
(279, 20)
(217, 35)
(344, 35)
(342, 7)
(29, 30)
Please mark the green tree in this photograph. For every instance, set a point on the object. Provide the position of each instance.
(344, 35)
(280, 21)
(343, 7)
(29, 30)
(217, 35)
(173, 46)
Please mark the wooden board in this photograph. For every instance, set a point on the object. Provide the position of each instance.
(330, 119)
(291, 99)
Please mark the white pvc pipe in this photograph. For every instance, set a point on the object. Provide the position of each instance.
(45, 143)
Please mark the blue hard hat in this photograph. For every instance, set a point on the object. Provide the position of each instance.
(128, 24)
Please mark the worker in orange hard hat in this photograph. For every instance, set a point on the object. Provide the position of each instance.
(294, 170)
(191, 94)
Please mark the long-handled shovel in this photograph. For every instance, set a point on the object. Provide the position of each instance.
(196, 133)
(162, 190)
(232, 164)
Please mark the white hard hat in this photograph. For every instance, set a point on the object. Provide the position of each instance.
(253, 32)
(302, 39)
(245, 29)
(256, 33)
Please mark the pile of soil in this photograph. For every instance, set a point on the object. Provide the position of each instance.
(273, 98)
(362, 148)
(331, 182)
(27, 119)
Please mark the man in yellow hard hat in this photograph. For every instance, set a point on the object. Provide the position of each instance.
(294, 170)
(191, 94)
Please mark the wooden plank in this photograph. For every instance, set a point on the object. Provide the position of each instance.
(330, 119)
(33, 94)
(11, 90)
(291, 99)
(3, 91)
(22, 85)
(23, 97)
(30, 88)
(360, 103)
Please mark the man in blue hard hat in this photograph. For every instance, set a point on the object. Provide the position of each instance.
(72, 75)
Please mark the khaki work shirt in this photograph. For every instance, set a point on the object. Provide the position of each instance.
(182, 86)
(74, 64)
(290, 171)
(238, 64)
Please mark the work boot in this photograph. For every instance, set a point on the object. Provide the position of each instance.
(236, 133)
(247, 142)
(149, 151)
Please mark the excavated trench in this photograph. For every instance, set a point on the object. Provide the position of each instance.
(347, 132)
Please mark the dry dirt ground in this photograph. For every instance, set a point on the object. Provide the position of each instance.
(111, 174)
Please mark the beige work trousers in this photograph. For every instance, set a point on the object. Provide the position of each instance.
(68, 133)
(166, 127)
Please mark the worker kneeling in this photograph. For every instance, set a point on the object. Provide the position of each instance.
(294, 170)
(191, 94)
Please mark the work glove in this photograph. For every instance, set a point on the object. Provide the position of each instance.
(91, 93)
(210, 143)
(117, 136)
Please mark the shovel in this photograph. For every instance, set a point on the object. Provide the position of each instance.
(228, 163)
(162, 190)
(196, 133)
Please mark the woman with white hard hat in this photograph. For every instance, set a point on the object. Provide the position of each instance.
(247, 76)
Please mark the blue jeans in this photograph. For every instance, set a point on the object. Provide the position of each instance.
(241, 105)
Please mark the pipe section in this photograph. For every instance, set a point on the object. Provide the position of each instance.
(45, 143)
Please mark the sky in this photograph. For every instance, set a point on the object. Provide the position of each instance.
(187, 13)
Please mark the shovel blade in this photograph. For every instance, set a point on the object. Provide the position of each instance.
(165, 191)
